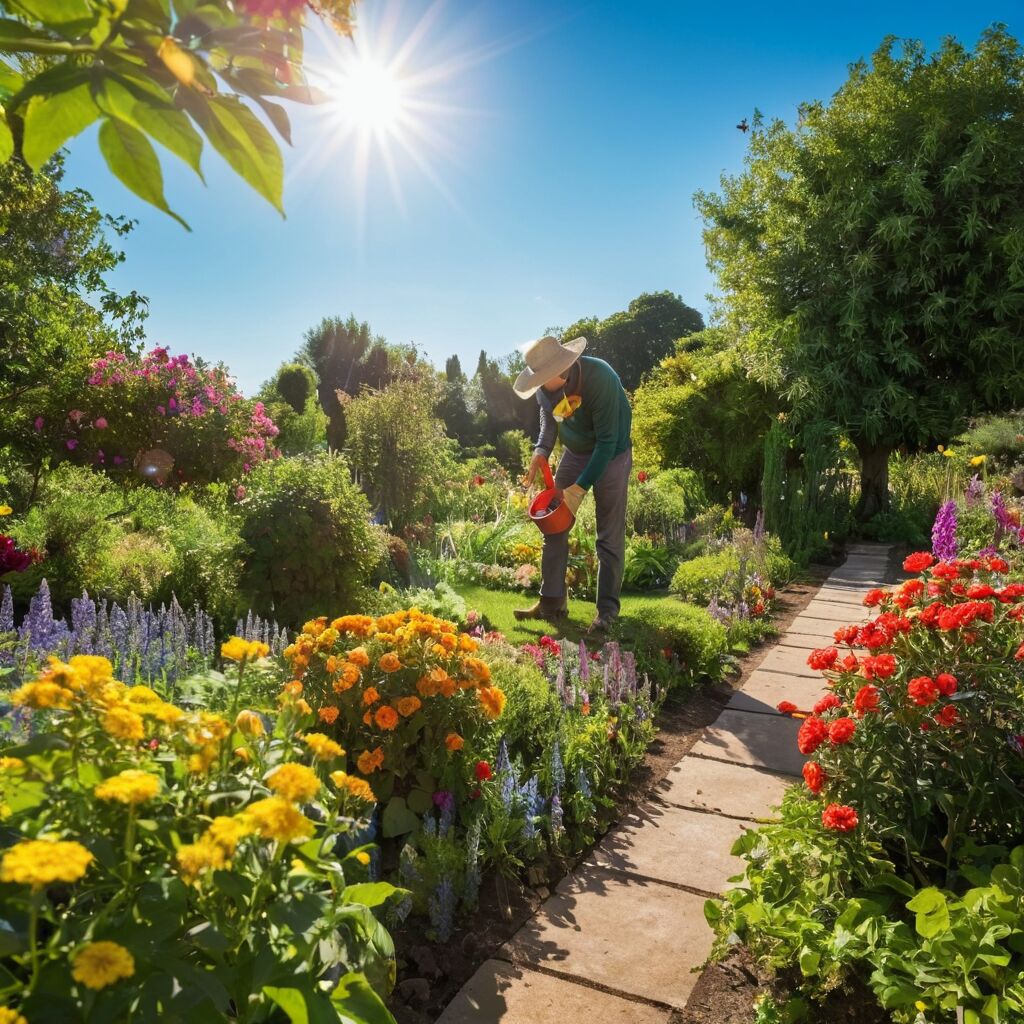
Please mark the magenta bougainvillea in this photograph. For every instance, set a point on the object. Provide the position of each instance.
(166, 419)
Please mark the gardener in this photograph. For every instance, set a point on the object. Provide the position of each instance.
(582, 402)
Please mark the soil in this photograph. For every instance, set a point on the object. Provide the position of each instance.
(430, 974)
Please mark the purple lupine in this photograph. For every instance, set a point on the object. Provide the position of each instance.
(629, 667)
(584, 663)
(534, 805)
(408, 866)
(83, 623)
(556, 815)
(445, 800)
(1004, 524)
(430, 825)
(7, 612)
(40, 631)
(944, 533)
(441, 907)
(759, 526)
(471, 881)
(975, 489)
(582, 782)
(119, 630)
(560, 681)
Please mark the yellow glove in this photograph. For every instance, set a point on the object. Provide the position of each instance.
(573, 497)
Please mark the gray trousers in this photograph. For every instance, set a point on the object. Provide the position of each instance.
(610, 503)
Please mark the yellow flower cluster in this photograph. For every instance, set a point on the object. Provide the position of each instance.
(352, 785)
(129, 787)
(278, 819)
(294, 782)
(9, 1016)
(237, 649)
(42, 862)
(101, 964)
(322, 746)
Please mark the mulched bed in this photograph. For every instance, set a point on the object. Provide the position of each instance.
(429, 975)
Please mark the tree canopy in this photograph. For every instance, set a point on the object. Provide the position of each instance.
(636, 339)
(873, 256)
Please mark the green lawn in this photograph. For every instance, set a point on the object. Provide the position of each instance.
(497, 606)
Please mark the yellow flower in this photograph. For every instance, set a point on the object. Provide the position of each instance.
(948, 452)
(921, 1005)
(142, 695)
(101, 964)
(249, 723)
(5, 510)
(227, 832)
(129, 787)
(294, 782)
(92, 669)
(492, 699)
(195, 858)
(43, 694)
(242, 754)
(276, 818)
(9, 1016)
(11, 764)
(978, 460)
(354, 786)
(322, 746)
(41, 862)
(123, 724)
(237, 649)
(363, 857)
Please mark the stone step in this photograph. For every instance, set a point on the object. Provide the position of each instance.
(603, 928)
(504, 992)
(790, 661)
(763, 741)
(732, 789)
(764, 690)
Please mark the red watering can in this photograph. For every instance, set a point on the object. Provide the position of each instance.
(549, 510)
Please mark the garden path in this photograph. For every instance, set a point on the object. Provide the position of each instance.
(617, 941)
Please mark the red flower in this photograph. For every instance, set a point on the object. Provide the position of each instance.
(866, 700)
(918, 562)
(1019, 656)
(829, 701)
(945, 571)
(846, 634)
(839, 818)
(878, 666)
(946, 684)
(823, 658)
(642, 477)
(841, 731)
(814, 776)
(482, 771)
(812, 734)
(875, 597)
(923, 691)
(849, 663)
(947, 716)
(979, 590)
(1011, 592)
(998, 565)
(912, 588)
(786, 707)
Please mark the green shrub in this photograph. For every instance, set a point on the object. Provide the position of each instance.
(911, 525)
(135, 563)
(664, 624)
(664, 500)
(440, 601)
(717, 573)
(1001, 438)
(310, 541)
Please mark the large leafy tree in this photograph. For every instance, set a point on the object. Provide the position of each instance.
(636, 339)
(873, 256)
(156, 71)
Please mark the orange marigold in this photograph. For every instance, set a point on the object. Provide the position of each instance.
(370, 761)
(349, 676)
(427, 687)
(371, 695)
(329, 714)
(448, 687)
(389, 662)
(492, 699)
(358, 656)
(386, 717)
(407, 706)
(453, 742)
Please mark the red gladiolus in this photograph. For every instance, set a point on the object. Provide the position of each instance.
(841, 731)
(786, 707)
(482, 771)
(823, 658)
(839, 818)
(946, 684)
(875, 597)
(923, 691)
(947, 716)
(814, 776)
(812, 734)
(829, 701)
(866, 700)
(918, 562)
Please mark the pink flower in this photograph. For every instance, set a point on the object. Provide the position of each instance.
(240, 492)
(118, 460)
(38, 424)
(71, 443)
(100, 423)
(161, 410)
(75, 415)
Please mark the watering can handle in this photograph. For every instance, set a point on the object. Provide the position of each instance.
(549, 480)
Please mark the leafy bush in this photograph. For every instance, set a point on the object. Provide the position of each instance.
(908, 526)
(310, 540)
(724, 574)
(667, 627)
(440, 601)
(1001, 438)
(648, 566)
(159, 864)
(660, 501)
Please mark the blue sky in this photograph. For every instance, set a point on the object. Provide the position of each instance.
(565, 147)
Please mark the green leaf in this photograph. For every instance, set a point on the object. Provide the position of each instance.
(51, 120)
(237, 134)
(132, 159)
(10, 80)
(53, 12)
(370, 894)
(398, 819)
(6, 139)
(932, 912)
(357, 1002)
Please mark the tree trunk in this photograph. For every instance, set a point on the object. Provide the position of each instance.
(874, 479)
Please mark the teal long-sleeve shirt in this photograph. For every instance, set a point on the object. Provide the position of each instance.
(601, 425)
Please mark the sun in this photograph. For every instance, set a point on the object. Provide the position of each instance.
(368, 96)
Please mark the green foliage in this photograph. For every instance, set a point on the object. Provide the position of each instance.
(309, 538)
(664, 500)
(152, 73)
(700, 409)
(635, 340)
(872, 255)
(440, 601)
(397, 446)
(296, 384)
(1001, 438)
(684, 630)
(717, 574)
(648, 566)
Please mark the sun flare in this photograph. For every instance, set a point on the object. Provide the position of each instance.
(368, 96)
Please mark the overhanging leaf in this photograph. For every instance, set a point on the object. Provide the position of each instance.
(51, 120)
(357, 1002)
(6, 139)
(132, 159)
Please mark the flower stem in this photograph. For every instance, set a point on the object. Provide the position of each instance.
(33, 943)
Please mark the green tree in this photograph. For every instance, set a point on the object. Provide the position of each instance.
(636, 339)
(292, 403)
(155, 72)
(874, 255)
(700, 410)
(453, 410)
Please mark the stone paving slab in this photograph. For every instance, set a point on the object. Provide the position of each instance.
(602, 928)
(764, 741)
(725, 788)
(670, 844)
(834, 610)
(840, 595)
(763, 691)
(789, 660)
(806, 642)
(502, 992)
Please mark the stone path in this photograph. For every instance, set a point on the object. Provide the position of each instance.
(617, 941)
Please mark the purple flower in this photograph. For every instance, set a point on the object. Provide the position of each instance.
(441, 907)
(556, 814)
(38, 423)
(557, 768)
(975, 489)
(71, 443)
(944, 533)
(445, 799)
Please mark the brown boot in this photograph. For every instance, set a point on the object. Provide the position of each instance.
(550, 609)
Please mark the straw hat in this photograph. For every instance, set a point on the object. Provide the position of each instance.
(546, 358)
